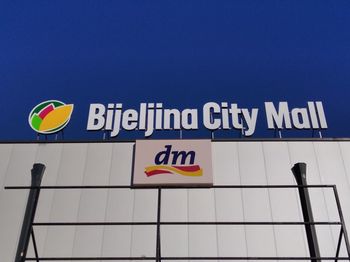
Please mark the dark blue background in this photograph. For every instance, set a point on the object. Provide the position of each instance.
(181, 53)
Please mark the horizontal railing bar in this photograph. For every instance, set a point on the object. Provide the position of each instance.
(168, 187)
(184, 258)
(94, 223)
(179, 223)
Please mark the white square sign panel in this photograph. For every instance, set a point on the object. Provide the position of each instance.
(173, 162)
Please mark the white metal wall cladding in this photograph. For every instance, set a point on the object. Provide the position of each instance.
(234, 163)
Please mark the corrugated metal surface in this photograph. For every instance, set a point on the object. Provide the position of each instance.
(234, 163)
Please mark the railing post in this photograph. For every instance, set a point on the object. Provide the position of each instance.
(299, 171)
(341, 217)
(158, 240)
(37, 174)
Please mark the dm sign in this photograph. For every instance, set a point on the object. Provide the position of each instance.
(173, 162)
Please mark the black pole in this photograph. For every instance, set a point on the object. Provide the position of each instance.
(158, 240)
(37, 174)
(299, 171)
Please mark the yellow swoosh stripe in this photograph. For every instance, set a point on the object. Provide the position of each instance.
(175, 170)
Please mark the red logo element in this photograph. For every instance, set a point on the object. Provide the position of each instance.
(191, 170)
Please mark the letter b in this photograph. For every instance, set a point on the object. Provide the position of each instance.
(96, 120)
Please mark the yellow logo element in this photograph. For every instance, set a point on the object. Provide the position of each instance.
(50, 116)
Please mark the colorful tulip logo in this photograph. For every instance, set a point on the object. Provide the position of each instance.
(50, 116)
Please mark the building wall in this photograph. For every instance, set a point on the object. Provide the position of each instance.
(234, 163)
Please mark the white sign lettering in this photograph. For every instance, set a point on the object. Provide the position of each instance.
(154, 116)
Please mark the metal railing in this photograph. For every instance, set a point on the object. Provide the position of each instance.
(29, 225)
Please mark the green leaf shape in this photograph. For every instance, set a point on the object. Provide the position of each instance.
(36, 121)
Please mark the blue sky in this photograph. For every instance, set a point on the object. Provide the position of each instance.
(180, 53)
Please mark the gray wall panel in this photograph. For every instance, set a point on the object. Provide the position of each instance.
(12, 202)
(284, 202)
(93, 202)
(233, 163)
(228, 202)
(333, 171)
(65, 205)
(345, 157)
(225, 163)
(143, 238)
(121, 169)
(344, 148)
(256, 202)
(5, 157)
(175, 209)
(120, 204)
(117, 239)
(201, 207)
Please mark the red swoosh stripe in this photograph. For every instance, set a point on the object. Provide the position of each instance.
(157, 172)
(188, 168)
(46, 110)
